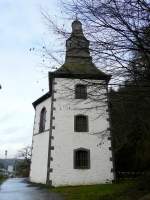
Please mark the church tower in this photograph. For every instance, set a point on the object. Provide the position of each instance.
(71, 137)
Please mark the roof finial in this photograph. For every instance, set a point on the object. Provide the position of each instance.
(76, 16)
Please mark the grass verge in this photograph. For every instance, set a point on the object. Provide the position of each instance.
(89, 192)
(126, 190)
(116, 191)
(2, 179)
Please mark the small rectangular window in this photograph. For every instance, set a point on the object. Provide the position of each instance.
(81, 158)
(81, 123)
(80, 91)
(42, 120)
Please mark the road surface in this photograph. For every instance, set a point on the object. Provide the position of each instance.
(19, 189)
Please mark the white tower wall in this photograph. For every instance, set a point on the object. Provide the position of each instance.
(65, 140)
(40, 141)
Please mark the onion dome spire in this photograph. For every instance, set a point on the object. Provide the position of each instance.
(77, 46)
(78, 62)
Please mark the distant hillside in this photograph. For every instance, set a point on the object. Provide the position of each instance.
(4, 163)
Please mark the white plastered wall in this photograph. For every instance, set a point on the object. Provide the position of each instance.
(38, 170)
(66, 140)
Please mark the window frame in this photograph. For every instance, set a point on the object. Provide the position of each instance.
(42, 121)
(79, 129)
(79, 94)
(75, 165)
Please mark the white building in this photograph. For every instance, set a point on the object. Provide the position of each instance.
(71, 137)
(10, 168)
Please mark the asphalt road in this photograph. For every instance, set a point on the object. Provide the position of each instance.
(19, 189)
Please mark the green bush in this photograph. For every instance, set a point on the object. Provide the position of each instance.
(2, 178)
(143, 183)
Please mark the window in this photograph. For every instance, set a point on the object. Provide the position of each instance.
(42, 120)
(81, 158)
(81, 123)
(80, 91)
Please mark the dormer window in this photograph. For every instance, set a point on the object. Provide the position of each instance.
(42, 120)
(80, 91)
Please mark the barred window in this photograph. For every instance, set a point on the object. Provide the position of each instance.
(80, 91)
(80, 123)
(42, 120)
(81, 158)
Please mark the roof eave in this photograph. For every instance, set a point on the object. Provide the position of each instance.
(80, 76)
(41, 99)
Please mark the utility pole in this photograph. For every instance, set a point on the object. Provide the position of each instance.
(6, 154)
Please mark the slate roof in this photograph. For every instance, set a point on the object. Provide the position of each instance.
(41, 99)
(77, 70)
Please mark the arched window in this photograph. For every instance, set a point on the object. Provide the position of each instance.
(42, 120)
(81, 158)
(81, 123)
(80, 91)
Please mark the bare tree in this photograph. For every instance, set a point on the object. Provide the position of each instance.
(116, 32)
(23, 164)
(115, 29)
(25, 153)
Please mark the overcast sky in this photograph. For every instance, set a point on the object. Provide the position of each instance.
(21, 27)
